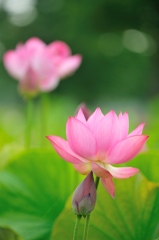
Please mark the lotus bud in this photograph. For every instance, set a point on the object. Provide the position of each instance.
(85, 110)
(84, 197)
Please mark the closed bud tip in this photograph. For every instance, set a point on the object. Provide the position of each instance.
(84, 197)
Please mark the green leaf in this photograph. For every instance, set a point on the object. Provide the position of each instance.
(148, 164)
(132, 215)
(5, 137)
(7, 152)
(34, 188)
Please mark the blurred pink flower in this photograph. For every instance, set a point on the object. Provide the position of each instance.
(39, 67)
(96, 143)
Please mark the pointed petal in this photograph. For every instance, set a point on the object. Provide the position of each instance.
(93, 120)
(15, 63)
(62, 147)
(107, 132)
(59, 48)
(124, 125)
(83, 168)
(48, 84)
(34, 44)
(137, 131)
(80, 116)
(85, 110)
(109, 186)
(80, 139)
(126, 149)
(69, 65)
(99, 170)
(121, 172)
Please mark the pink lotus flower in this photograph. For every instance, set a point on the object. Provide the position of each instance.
(39, 67)
(96, 143)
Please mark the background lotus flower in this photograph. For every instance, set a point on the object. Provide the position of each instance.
(96, 143)
(84, 197)
(39, 67)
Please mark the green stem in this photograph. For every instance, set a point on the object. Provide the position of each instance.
(78, 217)
(97, 182)
(44, 108)
(86, 227)
(29, 113)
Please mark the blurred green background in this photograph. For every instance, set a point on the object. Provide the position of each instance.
(118, 40)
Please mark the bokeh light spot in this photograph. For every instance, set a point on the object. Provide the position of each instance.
(23, 19)
(139, 42)
(20, 12)
(17, 7)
